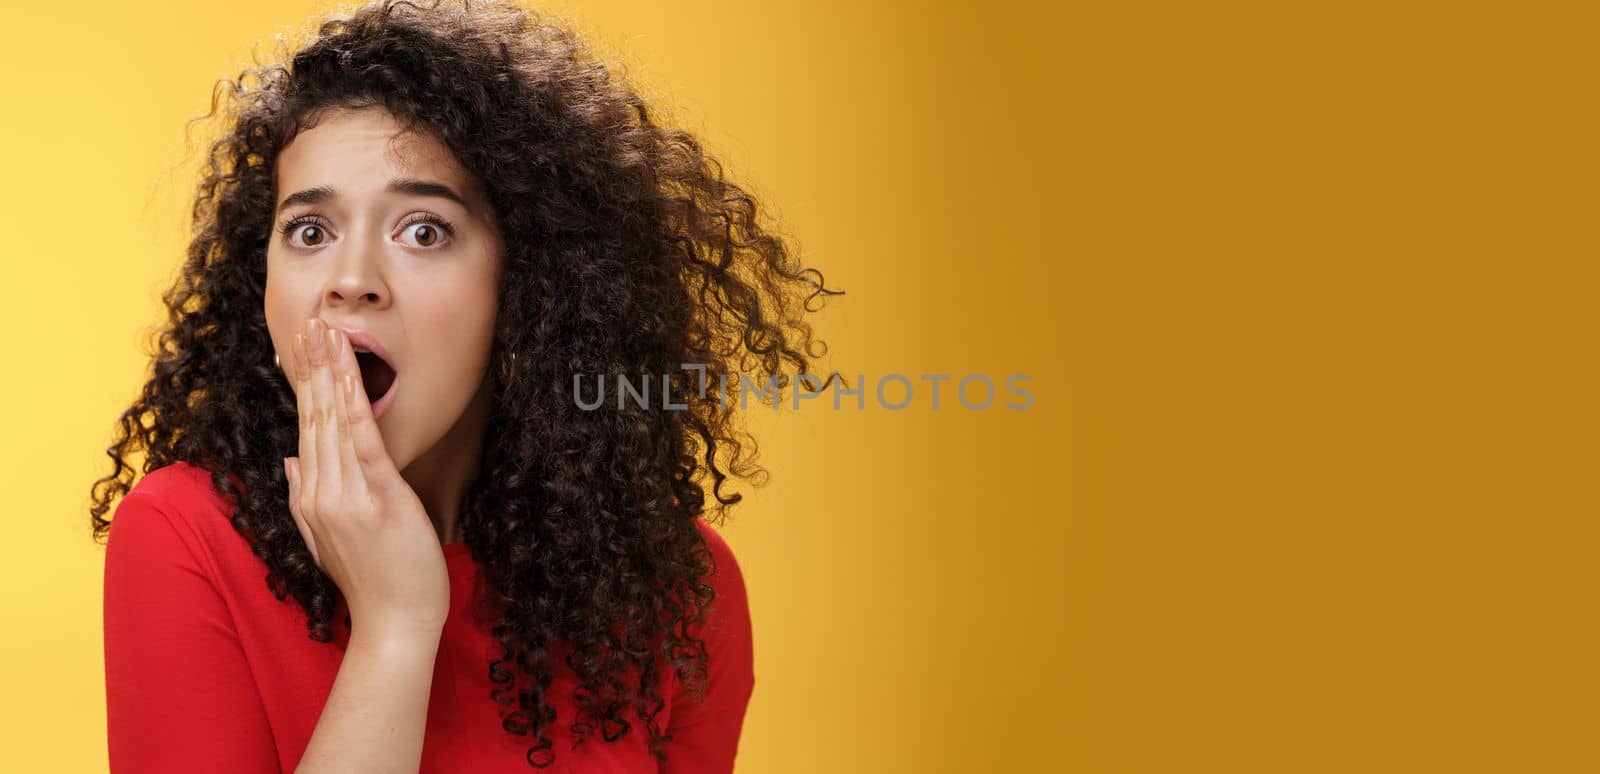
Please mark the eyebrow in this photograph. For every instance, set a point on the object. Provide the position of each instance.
(403, 185)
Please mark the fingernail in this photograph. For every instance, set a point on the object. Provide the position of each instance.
(333, 341)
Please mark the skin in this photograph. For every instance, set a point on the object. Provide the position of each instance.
(374, 499)
(367, 529)
(361, 264)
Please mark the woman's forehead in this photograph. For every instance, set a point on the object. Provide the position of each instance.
(359, 150)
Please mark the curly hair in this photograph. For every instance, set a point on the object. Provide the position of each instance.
(626, 252)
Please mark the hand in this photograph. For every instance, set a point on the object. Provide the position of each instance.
(364, 524)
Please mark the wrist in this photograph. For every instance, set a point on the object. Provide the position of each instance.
(396, 641)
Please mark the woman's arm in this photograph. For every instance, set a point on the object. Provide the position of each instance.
(378, 710)
(179, 693)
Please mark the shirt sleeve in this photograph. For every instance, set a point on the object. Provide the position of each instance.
(705, 736)
(179, 692)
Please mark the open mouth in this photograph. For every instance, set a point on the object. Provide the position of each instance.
(376, 375)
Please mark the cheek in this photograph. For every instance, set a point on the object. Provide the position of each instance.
(456, 357)
(459, 346)
(285, 306)
(462, 311)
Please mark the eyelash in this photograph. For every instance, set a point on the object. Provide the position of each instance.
(449, 230)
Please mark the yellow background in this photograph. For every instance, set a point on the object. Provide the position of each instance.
(1306, 291)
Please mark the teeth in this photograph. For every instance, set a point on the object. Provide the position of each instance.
(361, 349)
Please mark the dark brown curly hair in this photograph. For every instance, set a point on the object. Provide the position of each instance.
(626, 252)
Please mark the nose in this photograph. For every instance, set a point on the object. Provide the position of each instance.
(357, 278)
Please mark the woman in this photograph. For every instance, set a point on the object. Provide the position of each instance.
(416, 238)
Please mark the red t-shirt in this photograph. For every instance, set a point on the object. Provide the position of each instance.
(207, 671)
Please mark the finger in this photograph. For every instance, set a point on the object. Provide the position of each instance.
(305, 403)
(377, 468)
(344, 362)
(291, 472)
(330, 479)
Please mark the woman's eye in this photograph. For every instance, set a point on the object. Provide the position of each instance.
(427, 233)
(311, 234)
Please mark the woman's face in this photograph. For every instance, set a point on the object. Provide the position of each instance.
(397, 240)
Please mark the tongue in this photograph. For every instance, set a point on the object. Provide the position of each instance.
(376, 375)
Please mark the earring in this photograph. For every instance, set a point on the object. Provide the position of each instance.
(275, 360)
